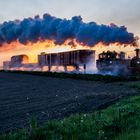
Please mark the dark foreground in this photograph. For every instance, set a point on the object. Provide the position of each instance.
(22, 96)
(120, 121)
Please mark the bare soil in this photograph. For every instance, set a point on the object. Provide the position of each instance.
(23, 96)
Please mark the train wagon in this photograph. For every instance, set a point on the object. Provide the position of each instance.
(71, 58)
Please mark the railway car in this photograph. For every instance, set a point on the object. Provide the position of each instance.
(16, 61)
(19, 60)
(71, 58)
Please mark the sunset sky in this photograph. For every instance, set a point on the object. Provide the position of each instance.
(120, 12)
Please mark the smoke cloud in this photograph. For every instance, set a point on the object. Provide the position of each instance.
(59, 30)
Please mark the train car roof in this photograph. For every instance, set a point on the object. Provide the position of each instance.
(21, 55)
(70, 51)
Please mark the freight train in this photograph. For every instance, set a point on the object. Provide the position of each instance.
(107, 62)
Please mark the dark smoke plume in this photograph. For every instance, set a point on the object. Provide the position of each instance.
(59, 30)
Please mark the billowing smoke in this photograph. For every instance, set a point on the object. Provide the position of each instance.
(59, 30)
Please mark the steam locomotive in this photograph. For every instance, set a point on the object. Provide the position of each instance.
(115, 63)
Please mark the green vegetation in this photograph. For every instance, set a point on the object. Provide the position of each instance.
(120, 121)
(135, 86)
(90, 77)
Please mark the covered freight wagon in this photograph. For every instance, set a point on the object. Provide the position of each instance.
(71, 58)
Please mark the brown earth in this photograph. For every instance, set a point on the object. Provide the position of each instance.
(23, 96)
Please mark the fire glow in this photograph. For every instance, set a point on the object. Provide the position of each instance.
(33, 49)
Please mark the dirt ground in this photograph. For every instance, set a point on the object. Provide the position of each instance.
(24, 96)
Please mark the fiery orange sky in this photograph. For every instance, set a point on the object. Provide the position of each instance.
(32, 50)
